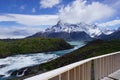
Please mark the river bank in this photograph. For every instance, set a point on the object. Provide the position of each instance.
(17, 63)
(31, 45)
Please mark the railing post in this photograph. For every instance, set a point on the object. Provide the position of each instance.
(82, 67)
(72, 76)
(96, 72)
(78, 73)
(89, 70)
(81, 73)
(64, 76)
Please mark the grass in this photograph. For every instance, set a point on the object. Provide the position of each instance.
(94, 48)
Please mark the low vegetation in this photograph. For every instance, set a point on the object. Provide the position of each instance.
(31, 45)
(94, 48)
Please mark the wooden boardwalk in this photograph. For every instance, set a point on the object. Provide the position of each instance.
(114, 76)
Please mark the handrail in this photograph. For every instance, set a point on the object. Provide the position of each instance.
(55, 72)
(59, 71)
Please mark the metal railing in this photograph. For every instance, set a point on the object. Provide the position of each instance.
(94, 68)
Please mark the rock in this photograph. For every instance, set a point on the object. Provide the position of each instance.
(4, 65)
(2, 75)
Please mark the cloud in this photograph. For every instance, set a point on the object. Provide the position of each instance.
(33, 10)
(30, 24)
(30, 20)
(81, 11)
(77, 11)
(49, 3)
(116, 4)
(110, 23)
(113, 3)
(18, 32)
(6, 18)
(22, 7)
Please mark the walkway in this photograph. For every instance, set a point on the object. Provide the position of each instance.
(113, 76)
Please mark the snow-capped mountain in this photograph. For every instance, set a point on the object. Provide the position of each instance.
(80, 31)
(91, 30)
(107, 31)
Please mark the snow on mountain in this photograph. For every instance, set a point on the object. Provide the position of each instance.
(107, 31)
(91, 30)
(80, 31)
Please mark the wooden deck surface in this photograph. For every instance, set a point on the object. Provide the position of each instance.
(113, 76)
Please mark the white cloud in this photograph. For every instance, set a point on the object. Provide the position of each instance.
(110, 23)
(77, 11)
(113, 3)
(6, 18)
(81, 11)
(30, 20)
(32, 24)
(22, 7)
(18, 32)
(33, 10)
(49, 3)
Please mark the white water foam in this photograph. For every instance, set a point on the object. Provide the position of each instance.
(8, 64)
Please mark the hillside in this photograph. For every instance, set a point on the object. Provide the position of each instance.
(73, 36)
(94, 48)
(31, 45)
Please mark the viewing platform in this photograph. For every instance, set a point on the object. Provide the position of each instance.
(104, 67)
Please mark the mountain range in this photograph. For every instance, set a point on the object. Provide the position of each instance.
(114, 35)
(80, 31)
(92, 30)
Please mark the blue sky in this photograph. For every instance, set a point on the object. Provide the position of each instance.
(26, 7)
(31, 16)
(22, 7)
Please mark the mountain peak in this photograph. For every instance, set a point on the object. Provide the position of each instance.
(92, 30)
